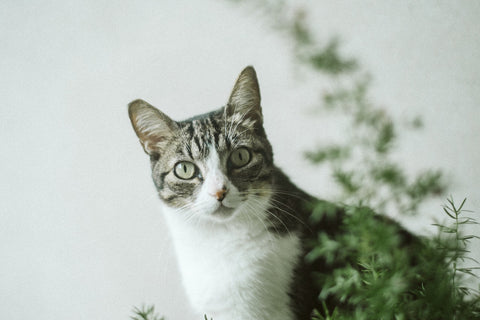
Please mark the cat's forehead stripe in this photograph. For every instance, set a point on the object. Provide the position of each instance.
(198, 133)
(199, 147)
(189, 129)
(212, 129)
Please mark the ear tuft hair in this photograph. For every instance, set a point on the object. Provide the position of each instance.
(245, 97)
(153, 127)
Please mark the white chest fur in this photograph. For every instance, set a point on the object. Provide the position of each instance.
(235, 271)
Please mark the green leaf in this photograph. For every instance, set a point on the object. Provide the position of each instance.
(328, 153)
(385, 138)
(328, 60)
(346, 180)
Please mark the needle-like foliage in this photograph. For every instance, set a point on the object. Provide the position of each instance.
(145, 313)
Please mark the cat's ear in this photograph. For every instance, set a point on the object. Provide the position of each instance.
(153, 127)
(245, 98)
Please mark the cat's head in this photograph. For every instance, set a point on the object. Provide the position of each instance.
(216, 165)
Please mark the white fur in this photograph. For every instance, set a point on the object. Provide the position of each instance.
(215, 180)
(233, 268)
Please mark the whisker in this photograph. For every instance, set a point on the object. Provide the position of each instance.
(276, 204)
(252, 210)
(279, 191)
(256, 215)
(255, 198)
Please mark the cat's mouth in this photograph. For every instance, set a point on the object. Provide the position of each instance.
(223, 211)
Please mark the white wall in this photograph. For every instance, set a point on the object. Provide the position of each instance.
(81, 236)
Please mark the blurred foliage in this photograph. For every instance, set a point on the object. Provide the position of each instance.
(362, 165)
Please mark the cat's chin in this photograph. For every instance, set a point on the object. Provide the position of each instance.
(222, 213)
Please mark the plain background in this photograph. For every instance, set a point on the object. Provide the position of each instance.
(81, 235)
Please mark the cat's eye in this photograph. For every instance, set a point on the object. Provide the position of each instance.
(185, 170)
(240, 157)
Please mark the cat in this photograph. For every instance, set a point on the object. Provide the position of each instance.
(240, 227)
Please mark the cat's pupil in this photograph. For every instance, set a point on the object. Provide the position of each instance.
(185, 170)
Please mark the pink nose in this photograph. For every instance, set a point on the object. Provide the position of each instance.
(220, 194)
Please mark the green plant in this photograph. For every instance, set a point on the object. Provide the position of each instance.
(145, 313)
(385, 273)
(455, 247)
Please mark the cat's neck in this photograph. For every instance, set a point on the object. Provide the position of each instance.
(237, 270)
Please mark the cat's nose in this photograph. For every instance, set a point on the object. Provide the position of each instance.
(220, 194)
